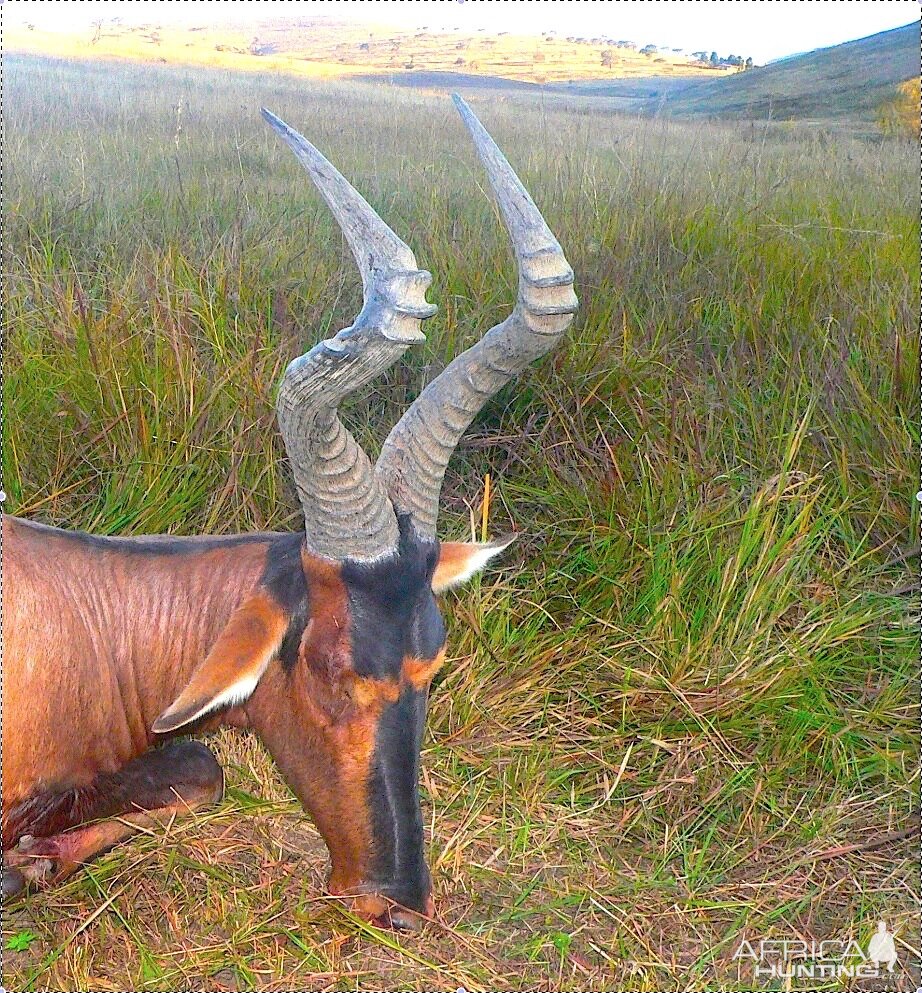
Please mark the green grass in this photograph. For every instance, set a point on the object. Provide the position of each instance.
(684, 711)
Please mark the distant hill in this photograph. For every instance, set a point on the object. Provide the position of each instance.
(322, 47)
(847, 81)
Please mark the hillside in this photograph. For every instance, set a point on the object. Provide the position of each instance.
(327, 48)
(850, 80)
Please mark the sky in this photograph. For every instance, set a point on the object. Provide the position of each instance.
(763, 29)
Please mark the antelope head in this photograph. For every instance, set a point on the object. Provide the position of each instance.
(354, 623)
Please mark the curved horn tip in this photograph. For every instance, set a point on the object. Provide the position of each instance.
(525, 223)
(463, 106)
(467, 115)
(276, 122)
(300, 145)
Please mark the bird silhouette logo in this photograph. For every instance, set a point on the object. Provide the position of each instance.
(882, 948)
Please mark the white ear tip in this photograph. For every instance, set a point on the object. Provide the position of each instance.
(172, 719)
(485, 553)
(501, 544)
(466, 559)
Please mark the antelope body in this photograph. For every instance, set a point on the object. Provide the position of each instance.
(324, 642)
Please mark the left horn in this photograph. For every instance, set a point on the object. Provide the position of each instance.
(347, 513)
(415, 455)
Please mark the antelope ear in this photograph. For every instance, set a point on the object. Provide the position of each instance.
(459, 560)
(233, 667)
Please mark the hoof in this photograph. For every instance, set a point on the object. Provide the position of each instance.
(29, 850)
(33, 861)
(38, 871)
(14, 883)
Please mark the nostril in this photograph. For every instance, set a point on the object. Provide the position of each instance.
(402, 920)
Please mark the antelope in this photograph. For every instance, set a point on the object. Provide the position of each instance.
(324, 642)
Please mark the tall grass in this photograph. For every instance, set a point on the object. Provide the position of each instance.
(691, 689)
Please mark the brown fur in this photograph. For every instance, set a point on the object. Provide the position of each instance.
(327, 764)
(248, 642)
(97, 643)
(419, 673)
(459, 560)
(158, 786)
(107, 642)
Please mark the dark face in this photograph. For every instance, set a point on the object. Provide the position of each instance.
(355, 687)
(398, 641)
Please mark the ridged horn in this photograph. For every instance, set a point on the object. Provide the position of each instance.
(347, 513)
(416, 453)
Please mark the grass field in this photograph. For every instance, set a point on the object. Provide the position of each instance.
(684, 712)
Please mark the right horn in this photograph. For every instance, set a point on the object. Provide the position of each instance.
(415, 455)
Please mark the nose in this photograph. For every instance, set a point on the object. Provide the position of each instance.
(385, 913)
